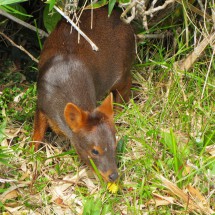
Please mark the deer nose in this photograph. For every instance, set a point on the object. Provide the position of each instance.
(113, 176)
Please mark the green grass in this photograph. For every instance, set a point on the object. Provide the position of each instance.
(158, 134)
(164, 131)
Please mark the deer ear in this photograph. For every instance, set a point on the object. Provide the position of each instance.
(75, 117)
(107, 106)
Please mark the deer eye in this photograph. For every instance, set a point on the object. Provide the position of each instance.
(95, 152)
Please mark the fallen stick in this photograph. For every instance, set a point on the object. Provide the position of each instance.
(94, 47)
(13, 18)
(19, 47)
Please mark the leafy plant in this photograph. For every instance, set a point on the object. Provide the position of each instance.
(92, 207)
(21, 107)
(7, 2)
(13, 7)
(97, 171)
(95, 207)
(169, 141)
(50, 18)
(4, 152)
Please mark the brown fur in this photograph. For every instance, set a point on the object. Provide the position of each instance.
(73, 77)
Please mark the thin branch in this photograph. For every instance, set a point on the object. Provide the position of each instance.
(153, 10)
(13, 18)
(144, 19)
(153, 4)
(129, 19)
(154, 36)
(19, 47)
(94, 47)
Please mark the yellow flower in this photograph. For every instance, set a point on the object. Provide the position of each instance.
(112, 187)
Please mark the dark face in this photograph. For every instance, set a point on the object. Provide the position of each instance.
(99, 144)
(94, 136)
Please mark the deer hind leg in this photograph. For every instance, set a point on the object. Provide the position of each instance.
(122, 92)
(40, 127)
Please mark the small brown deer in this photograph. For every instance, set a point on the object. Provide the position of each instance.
(73, 77)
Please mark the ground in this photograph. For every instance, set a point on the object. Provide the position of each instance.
(165, 134)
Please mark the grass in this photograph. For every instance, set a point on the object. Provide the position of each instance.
(164, 136)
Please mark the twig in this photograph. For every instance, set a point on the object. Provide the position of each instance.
(154, 36)
(19, 47)
(13, 18)
(129, 19)
(94, 47)
(144, 20)
(153, 10)
(153, 4)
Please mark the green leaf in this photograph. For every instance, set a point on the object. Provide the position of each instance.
(51, 4)
(96, 171)
(169, 140)
(5, 162)
(18, 11)
(2, 128)
(87, 207)
(209, 138)
(5, 155)
(121, 144)
(124, 1)
(106, 209)
(6, 2)
(4, 152)
(50, 20)
(1, 206)
(96, 207)
(38, 37)
(97, 4)
(92, 207)
(111, 6)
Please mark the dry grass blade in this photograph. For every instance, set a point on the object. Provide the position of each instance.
(195, 10)
(60, 188)
(160, 200)
(187, 63)
(12, 192)
(199, 199)
(194, 202)
(211, 150)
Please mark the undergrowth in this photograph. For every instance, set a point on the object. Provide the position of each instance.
(165, 135)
